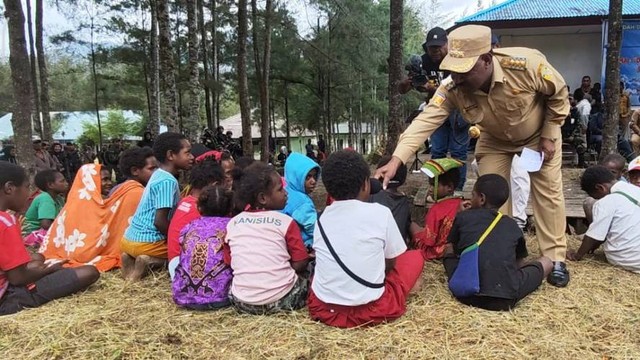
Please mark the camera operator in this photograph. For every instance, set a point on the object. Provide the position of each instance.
(453, 136)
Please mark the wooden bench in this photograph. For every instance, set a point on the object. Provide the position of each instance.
(573, 197)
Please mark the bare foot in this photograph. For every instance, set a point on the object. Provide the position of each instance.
(139, 268)
(128, 262)
(416, 287)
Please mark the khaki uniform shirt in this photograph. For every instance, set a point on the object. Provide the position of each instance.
(528, 99)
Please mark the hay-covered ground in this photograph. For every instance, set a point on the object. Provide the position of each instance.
(596, 317)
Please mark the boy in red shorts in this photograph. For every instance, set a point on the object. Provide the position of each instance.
(363, 272)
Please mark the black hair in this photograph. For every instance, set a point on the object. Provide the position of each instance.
(451, 177)
(401, 174)
(586, 77)
(134, 157)
(242, 163)
(494, 188)
(343, 174)
(12, 173)
(617, 159)
(255, 179)
(225, 155)
(206, 173)
(44, 178)
(166, 142)
(593, 176)
(215, 201)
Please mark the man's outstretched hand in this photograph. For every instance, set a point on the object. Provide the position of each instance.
(387, 172)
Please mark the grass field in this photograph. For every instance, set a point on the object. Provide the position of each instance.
(596, 317)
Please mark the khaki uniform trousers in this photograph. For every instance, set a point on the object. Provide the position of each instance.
(495, 157)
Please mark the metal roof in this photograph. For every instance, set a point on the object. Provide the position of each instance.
(545, 9)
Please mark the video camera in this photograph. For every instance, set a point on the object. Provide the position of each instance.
(419, 77)
(415, 71)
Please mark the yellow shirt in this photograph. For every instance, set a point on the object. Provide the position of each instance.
(527, 99)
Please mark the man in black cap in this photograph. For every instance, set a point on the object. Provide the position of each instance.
(453, 136)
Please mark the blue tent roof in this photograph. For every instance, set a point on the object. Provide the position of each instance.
(545, 9)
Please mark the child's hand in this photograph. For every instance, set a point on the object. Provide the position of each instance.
(572, 256)
(53, 265)
(464, 205)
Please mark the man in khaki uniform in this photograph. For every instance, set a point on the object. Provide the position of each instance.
(517, 100)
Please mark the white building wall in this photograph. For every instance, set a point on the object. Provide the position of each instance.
(574, 51)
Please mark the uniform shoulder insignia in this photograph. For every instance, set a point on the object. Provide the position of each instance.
(448, 83)
(514, 63)
(545, 72)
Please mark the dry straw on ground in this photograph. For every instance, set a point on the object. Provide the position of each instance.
(596, 317)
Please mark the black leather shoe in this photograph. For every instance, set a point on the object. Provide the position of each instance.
(559, 275)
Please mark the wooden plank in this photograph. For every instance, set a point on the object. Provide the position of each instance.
(574, 197)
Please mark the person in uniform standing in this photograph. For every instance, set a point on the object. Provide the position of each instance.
(453, 135)
(517, 100)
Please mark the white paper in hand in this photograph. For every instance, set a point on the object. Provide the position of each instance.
(531, 160)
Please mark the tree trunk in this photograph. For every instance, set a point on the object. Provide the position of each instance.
(262, 72)
(37, 124)
(612, 79)
(205, 64)
(395, 75)
(243, 83)
(21, 80)
(286, 114)
(177, 56)
(95, 83)
(215, 67)
(44, 76)
(170, 109)
(194, 62)
(154, 79)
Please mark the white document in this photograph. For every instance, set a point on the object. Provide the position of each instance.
(531, 160)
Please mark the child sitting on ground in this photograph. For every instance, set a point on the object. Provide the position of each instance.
(363, 272)
(102, 221)
(145, 241)
(45, 207)
(202, 175)
(396, 201)
(106, 181)
(504, 277)
(202, 279)
(615, 219)
(265, 248)
(616, 164)
(444, 175)
(26, 281)
(301, 174)
(634, 171)
(136, 164)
